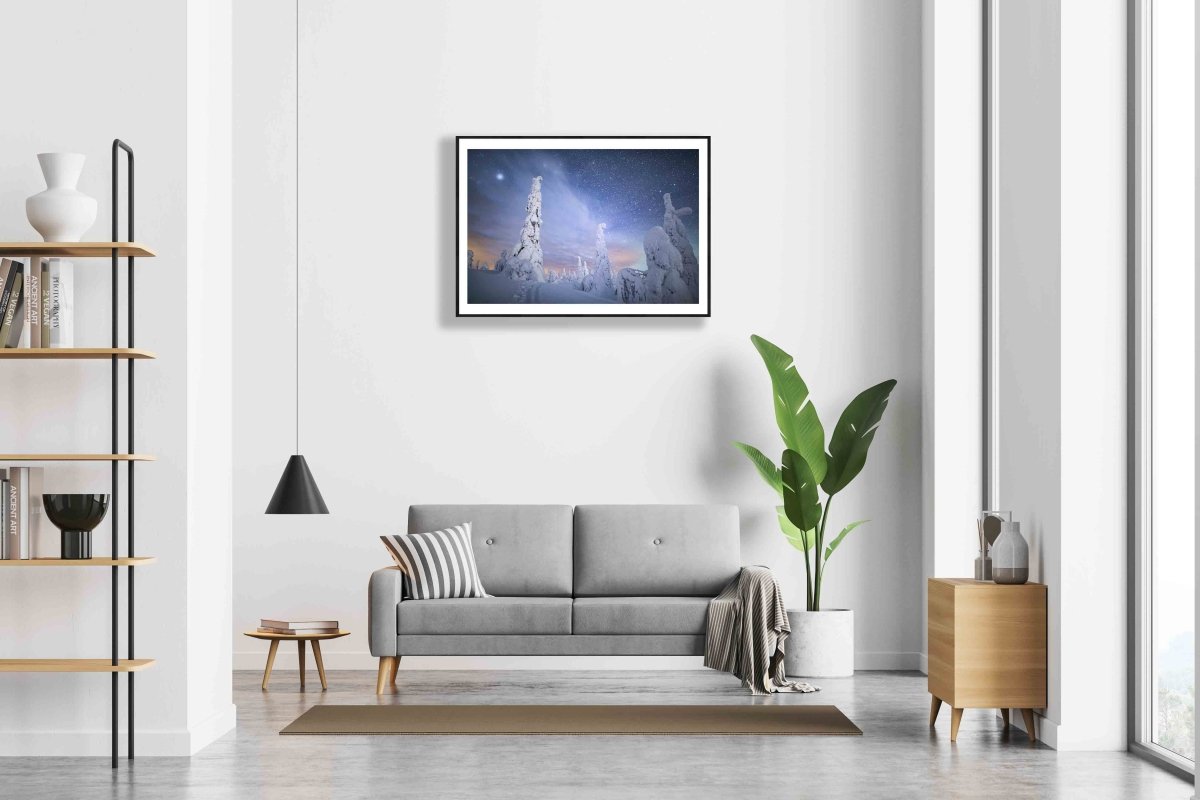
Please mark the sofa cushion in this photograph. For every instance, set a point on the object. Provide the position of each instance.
(639, 615)
(521, 551)
(505, 616)
(437, 564)
(629, 551)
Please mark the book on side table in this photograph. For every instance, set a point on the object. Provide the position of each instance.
(297, 627)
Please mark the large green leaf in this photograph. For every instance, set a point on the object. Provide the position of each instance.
(766, 467)
(829, 548)
(795, 414)
(801, 540)
(852, 436)
(801, 502)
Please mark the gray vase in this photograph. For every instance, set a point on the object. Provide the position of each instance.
(1010, 555)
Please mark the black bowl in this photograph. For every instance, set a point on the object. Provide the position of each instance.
(75, 512)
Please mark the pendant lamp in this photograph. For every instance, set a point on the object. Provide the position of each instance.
(297, 491)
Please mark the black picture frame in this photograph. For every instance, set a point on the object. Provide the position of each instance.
(702, 308)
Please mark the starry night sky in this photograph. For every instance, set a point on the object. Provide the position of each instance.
(580, 189)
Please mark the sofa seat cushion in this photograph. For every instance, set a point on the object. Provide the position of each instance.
(639, 615)
(504, 616)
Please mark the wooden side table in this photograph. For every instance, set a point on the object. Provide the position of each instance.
(987, 648)
(300, 639)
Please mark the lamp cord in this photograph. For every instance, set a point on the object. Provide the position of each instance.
(297, 227)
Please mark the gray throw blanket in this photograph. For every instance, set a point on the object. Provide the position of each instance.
(747, 633)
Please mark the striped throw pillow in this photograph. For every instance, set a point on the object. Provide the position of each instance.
(437, 565)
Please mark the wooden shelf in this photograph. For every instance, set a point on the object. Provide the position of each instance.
(73, 664)
(74, 249)
(124, 561)
(75, 457)
(78, 353)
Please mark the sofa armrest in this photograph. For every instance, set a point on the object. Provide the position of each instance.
(383, 593)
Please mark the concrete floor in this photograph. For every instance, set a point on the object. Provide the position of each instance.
(897, 757)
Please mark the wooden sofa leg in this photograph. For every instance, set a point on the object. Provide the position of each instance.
(395, 669)
(387, 671)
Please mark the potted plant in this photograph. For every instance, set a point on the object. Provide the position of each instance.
(822, 639)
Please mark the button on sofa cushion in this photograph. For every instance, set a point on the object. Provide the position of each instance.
(521, 550)
(437, 564)
(501, 616)
(640, 616)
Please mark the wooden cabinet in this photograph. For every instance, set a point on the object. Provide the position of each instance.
(987, 648)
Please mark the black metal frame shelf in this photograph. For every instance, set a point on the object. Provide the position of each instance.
(116, 354)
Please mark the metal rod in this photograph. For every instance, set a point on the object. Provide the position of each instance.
(129, 191)
(115, 478)
(129, 404)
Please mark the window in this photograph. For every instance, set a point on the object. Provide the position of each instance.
(1164, 371)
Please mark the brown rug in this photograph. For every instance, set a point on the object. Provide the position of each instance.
(558, 720)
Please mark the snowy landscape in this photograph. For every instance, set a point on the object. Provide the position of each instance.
(582, 227)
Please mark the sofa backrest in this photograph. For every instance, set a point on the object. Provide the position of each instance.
(655, 550)
(521, 551)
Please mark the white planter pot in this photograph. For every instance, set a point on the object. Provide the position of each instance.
(61, 213)
(821, 644)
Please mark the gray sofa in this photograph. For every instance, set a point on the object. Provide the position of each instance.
(588, 580)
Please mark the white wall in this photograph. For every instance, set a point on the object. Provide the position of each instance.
(117, 75)
(1061, 393)
(815, 124)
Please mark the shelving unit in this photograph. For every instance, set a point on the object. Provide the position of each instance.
(115, 354)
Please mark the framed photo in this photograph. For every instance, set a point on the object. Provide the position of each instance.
(581, 226)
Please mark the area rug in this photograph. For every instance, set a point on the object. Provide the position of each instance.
(568, 720)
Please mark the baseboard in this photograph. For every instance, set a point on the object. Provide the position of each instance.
(888, 662)
(924, 664)
(213, 728)
(364, 660)
(359, 660)
(149, 743)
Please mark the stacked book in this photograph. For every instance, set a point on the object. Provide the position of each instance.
(298, 627)
(24, 533)
(37, 303)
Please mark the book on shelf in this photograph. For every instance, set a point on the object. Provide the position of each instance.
(31, 331)
(26, 527)
(16, 535)
(61, 286)
(7, 277)
(13, 314)
(44, 539)
(294, 626)
(4, 513)
(45, 302)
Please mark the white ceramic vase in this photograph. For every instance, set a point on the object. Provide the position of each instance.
(821, 644)
(1010, 555)
(61, 213)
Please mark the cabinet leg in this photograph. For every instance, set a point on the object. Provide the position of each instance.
(385, 672)
(935, 705)
(270, 663)
(300, 650)
(1004, 713)
(1027, 715)
(955, 719)
(316, 646)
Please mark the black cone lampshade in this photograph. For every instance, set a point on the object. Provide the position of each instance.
(297, 492)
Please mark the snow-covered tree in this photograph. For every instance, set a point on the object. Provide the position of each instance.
(470, 259)
(690, 266)
(664, 270)
(502, 261)
(525, 263)
(599, 280)
(631, 286)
